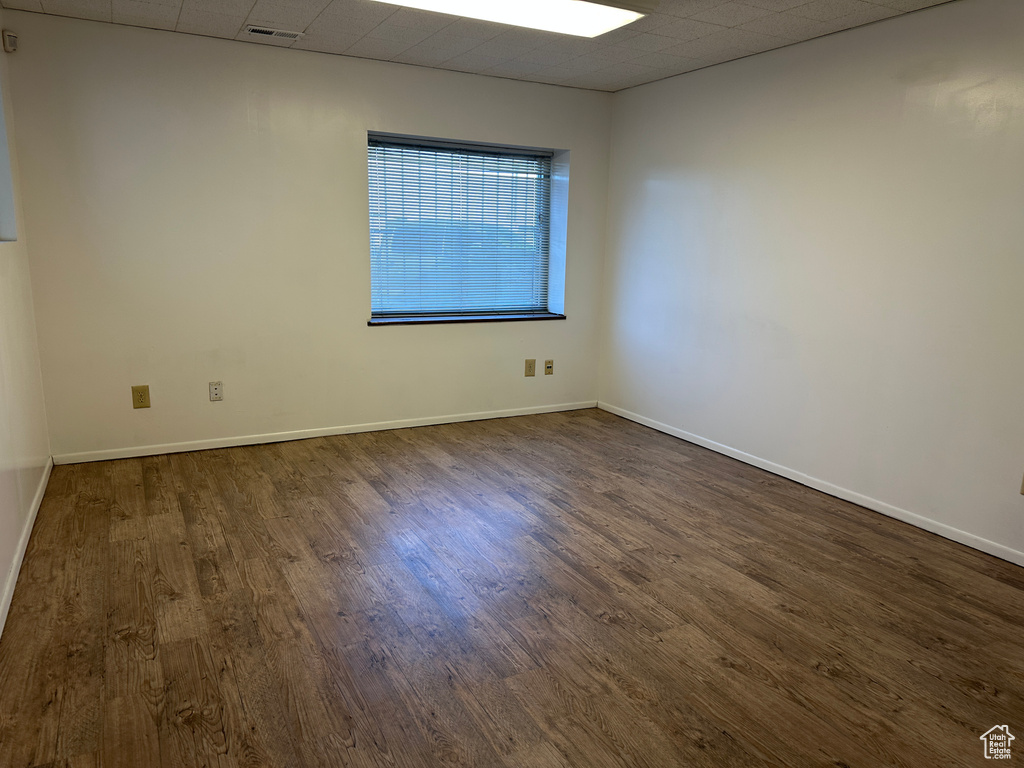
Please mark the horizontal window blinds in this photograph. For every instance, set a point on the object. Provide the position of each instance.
(457, 230)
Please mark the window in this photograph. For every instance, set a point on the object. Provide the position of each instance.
(459, 232)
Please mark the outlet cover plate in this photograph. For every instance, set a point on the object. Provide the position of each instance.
(140, 396)
(216, 391)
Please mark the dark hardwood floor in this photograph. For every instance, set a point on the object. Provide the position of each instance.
(561, 590)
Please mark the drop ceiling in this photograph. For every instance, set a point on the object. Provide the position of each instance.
(683, 35)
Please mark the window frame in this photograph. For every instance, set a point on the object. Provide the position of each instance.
(555, 224)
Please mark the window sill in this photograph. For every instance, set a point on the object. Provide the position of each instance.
(447, 319)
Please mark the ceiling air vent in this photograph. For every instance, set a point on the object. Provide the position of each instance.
(268, 32)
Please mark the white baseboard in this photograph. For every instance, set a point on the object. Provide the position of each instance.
(946, 531)
(280, 437)
(19, 554)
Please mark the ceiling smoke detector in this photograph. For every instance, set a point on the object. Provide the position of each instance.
(281, 34)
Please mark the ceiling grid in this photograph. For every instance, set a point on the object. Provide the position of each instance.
(681, 36)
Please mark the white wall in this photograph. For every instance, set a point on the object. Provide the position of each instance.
(199, 212)
(814, 253)
(817, 258)
(24, 448)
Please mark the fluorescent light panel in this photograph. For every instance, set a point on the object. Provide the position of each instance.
(569, 17)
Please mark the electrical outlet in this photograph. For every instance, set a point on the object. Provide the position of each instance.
(140, 396)
(531, 367)
(216, 391)
(549, 367)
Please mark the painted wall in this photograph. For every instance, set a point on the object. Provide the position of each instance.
(814, 252)
(24, 446)
(817, 258)
(199, 213)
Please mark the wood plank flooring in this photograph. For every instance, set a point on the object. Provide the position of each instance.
(561, 590)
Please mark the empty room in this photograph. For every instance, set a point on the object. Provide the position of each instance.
(511, 383)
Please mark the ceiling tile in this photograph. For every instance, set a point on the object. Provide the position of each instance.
(533, 38)
(24, 5)
(910, 5)
(501, 50)
(95, 10)
(422, 56)
(472, 62)
(573, 45)
(710, 52)
(327, 24)
(399, 33)
(870, 14)
(345, 13)
(411, 17)
(446, 37)
(335, 43)
(163, 15)
(866, 16)
(648, 22)
(681, 36)
(685, 65)
(616, 36)
(516, 69)
(478, 30)
(626, 76)
(544, 57)
(827, 10)
(730, 14)
(787, 25)
(689, 29)
(211, 24)
(572, 68)
(745, 40)
(611, 53)
(629, 70)
(773, 5)
(294, 15)
(659, 60)
(220, 7)
(686, 7)
(648, 42)
(458, 46)
(375, 48)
